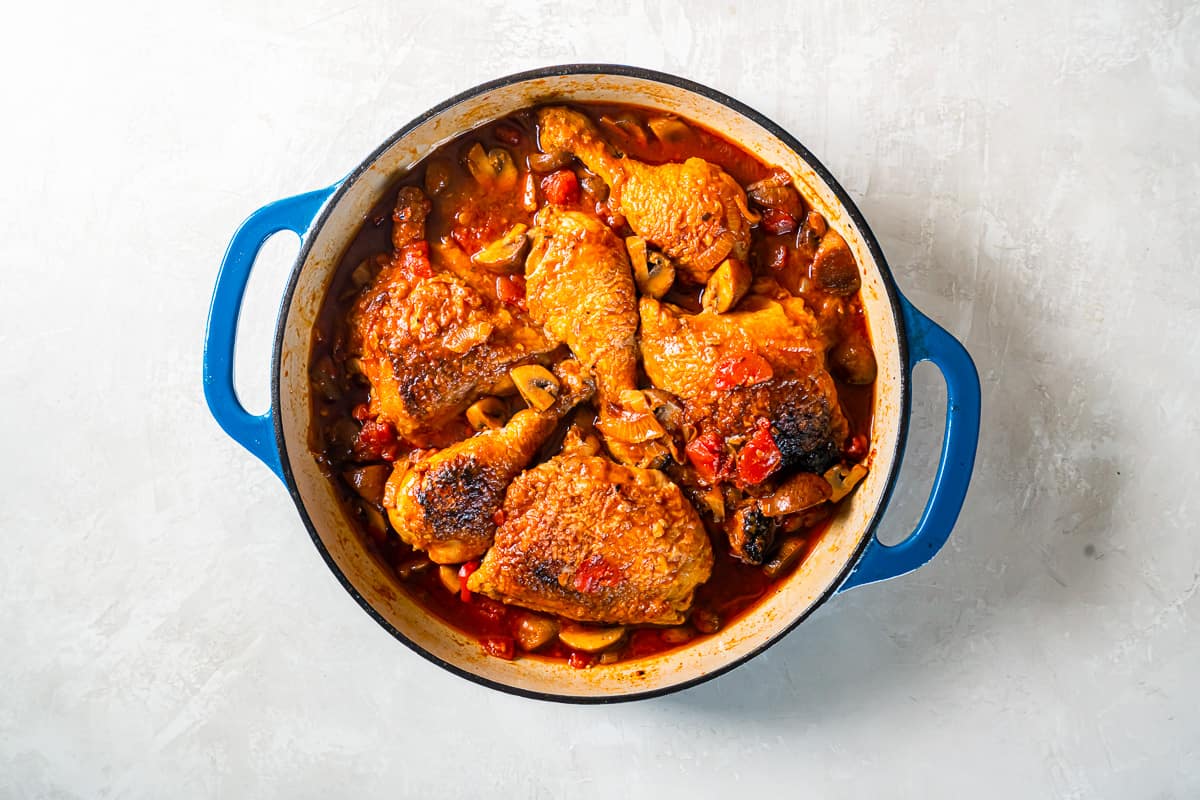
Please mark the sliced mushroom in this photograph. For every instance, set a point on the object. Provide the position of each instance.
(324, 380)
(833, 267)
(783, 198)
(751, 533)
(625, 125)
(714, 502)
(590, 640)
(362, 273)
(533, 631)
(790, 549)
(368, 482)
(678, 634)
(487, 413)
(652, 271)
(507, 252)
(595, 186)
(706, 620)
(843, 479)
(413, 566)
(853, 361)
(536, 384)
(493, 168)
(449, 578)
(548, 162)
(437, 177)
(727, 286)
(669, 129)
(796, 494)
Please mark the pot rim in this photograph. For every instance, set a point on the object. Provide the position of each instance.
(868, 236)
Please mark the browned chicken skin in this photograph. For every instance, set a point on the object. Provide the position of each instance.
(427, 341)
(683, 352)
(797, 403)
(595, 541)
(446, 503)
(694, 211)
(579, 286)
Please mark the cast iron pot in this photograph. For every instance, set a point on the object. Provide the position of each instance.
(847, 556)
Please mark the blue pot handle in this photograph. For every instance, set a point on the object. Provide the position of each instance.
(255, 433)
(927, 341)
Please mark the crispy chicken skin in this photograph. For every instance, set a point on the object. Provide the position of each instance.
(446, 503)
(595, 541)
(694, 211)
(428, 343)
(579, 286)
(682, 354)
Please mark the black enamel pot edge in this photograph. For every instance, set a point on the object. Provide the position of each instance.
(819, 168)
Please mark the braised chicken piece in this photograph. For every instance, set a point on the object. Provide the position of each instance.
(594, 541)
(427, 341)
(446, 504)
(694, 211)
(756, 399)
(579, 286)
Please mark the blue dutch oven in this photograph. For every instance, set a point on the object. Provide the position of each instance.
(847, 556)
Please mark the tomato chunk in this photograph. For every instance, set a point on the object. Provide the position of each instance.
(758, 457)
(377, 440)
(778, 222)
(746, 369)
(561, 187)
(499, 646)
(707, 453)
(510, 290)
(414, 258)
(579, 660)
(464, 572)
(856, 447)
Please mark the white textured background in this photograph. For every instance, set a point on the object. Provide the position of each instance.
(166, 627)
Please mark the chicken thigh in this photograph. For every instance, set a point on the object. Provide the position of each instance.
(427, 342)
(579, 286)
(694, 211)
(595, 541)
(446, 504)
(756, 399)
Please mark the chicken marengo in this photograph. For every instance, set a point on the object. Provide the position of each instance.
(591, 380)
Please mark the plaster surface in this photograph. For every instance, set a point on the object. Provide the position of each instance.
(168, 630)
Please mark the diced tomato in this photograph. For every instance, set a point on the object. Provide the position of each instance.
(499, 646)
(579, 660)
(488, 608)
(746, 369)
(464, 572)
(758, 457)
(361, 412)
(561, 187)
(856, 448)
(377, 440)
(414, 258)
(706, 452)
(778, 222)
(595, 573)
(510, 290)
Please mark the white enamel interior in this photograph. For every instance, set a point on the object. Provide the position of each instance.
(378, 586)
